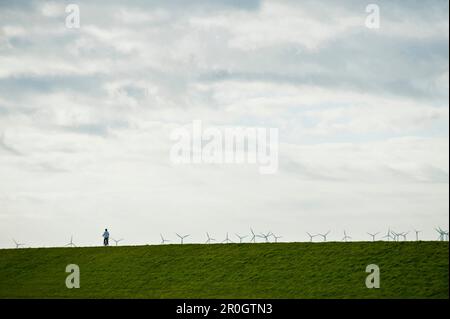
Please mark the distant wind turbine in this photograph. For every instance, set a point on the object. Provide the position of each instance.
(395, 236)
(265, 236)
(253, 240)
(241, 238)
(182, 238)
(275, 237)
(227, 240)
(324, 236)
(117, 241)
(443, 234)
(163, 240)
(346, 237)
(71, 244)
(417, 234)
(373, 235)
(17, 244)
(388, 235)
(311, 237)
(210, 239)
(404, 235)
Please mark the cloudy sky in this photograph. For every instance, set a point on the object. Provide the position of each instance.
(86, 116)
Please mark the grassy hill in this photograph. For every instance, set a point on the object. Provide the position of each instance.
(297, 270)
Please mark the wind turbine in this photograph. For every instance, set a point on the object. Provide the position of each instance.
(265, 236)
(346, 237)
(71, 244)
(241, 238)
(389, 235)
(404, 235)
(276, 237)
(311, 237)
(17, 244)
(443, 234)
(253, 240)
(324, 236)
(210, 239)
(395, 236)
(182, 238)
(227, 240)
(163, 240)
(373, 235)
(417, 234)
(117, 241)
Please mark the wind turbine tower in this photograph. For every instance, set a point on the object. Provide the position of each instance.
(71, 244)
(241, 238)
(373, 235)
(117, 241)
(163, 240)
(209, 239)
(182, 238)
(324, 236)
(227, 240)
(346, 237)
(17, 244)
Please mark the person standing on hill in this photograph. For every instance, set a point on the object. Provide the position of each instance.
(106, 237)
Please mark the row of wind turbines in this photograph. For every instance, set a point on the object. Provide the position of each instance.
(240, 238)
(271, 237)
(70, 244)
(389, 236)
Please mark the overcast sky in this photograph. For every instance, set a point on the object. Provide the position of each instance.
(86, 116)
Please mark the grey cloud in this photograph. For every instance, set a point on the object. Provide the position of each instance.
(364, 60)
(6, 147)
(360, 61)
(22, 85)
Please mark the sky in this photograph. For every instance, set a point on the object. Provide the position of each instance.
(86, 116)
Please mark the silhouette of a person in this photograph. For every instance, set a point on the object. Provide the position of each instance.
(106, 237)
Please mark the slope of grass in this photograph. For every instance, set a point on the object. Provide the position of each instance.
(297, 270)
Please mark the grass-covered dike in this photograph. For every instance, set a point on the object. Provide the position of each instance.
(285, 270)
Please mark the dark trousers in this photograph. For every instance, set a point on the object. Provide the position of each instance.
(106, 241)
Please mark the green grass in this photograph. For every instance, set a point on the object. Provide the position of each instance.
(297, 270)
